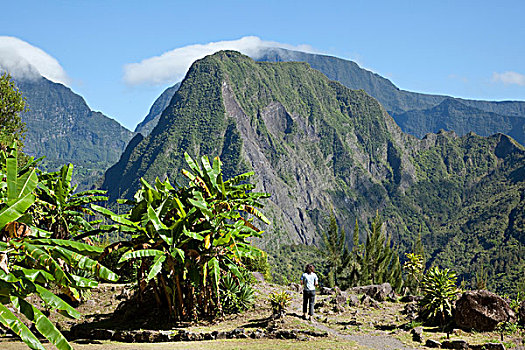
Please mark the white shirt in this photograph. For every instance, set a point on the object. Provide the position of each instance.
(309, 280)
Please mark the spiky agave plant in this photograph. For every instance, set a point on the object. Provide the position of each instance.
(439, 293)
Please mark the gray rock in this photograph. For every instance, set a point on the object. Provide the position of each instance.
(411, 311)
(431, 343)
(286, 334)
(353, 300)
(379, 292)
(327, 291)
(454, 344)
(417, 334)
(368, 301)
(488, 346)
(123, 336)
(102, 334)
(482, 310)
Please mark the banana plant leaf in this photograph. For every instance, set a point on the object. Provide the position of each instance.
(15, 210)
(143, 253)
(57, 303)
(78, 247)
(83, 262)
(156, 267)
(9, 320)
(42, 323)
(44, 259)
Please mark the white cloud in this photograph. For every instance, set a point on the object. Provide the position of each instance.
(23, 60)
(511, 78)
(171, 66)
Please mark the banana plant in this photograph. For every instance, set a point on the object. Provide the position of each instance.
(61, 210)
(30, 260)
(187, 238)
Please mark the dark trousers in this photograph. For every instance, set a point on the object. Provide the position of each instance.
(308, 300)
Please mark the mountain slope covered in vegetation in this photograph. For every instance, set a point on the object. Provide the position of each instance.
(416, 113)
(61, 127)
(315, 144)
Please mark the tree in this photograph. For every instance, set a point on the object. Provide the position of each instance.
(188, 239)
(334, 249)
(11, 105)
(375, 262)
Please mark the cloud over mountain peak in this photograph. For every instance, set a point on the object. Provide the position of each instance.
(25, 61)
(172, 65)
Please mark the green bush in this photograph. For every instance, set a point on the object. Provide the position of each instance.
(237, 294)
(280, 302)
(439, 292)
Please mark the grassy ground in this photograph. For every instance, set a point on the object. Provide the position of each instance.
(355, 328)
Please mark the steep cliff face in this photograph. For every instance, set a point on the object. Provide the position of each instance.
(315, 144)
(61, 127)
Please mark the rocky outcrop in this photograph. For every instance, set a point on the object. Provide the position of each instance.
(379, 292)
(154, 336)
(482, 310)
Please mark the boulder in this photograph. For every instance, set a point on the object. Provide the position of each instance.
(417, 334)
(327, 291)
(431, 343)
(521, 313)
(482, 310)
(367, 301)
(353, 300)
(296, 287)
(379, 292)
(454, 344)
(487, 346)
(411, 310)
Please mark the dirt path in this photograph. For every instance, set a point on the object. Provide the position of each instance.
(372, 341)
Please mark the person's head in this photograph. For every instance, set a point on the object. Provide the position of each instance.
(309, 268)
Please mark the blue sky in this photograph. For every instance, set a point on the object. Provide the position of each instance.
(470, 49)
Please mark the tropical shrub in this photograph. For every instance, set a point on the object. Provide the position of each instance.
(414, 268)
(280, 301)
(439, 293)
(188, 239)
(237, 295)
(30, 260)
(12, 103)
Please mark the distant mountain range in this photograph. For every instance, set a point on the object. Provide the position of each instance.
(61, 127)
(316, 144)
(417, 114)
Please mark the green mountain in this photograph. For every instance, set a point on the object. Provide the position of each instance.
(314, 144)
(156, 110)
(455, 114)
(61, 127)
(416, 114)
